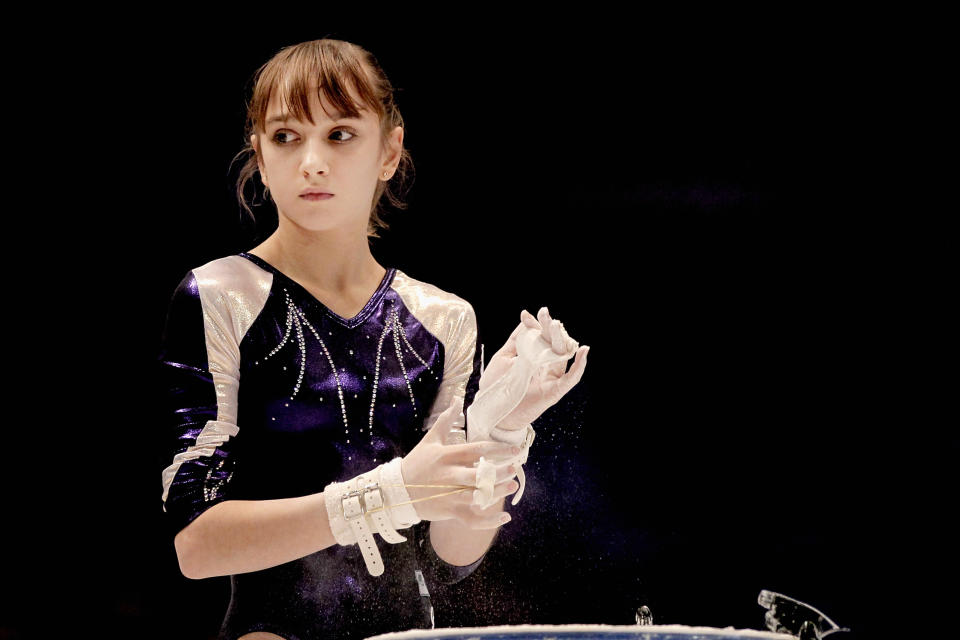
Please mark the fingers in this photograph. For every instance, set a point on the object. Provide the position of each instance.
(460, 503)
(500, 490)
(476, 517)
(528, 320)
(467, 476)
(572, 377)
(557, 387)
(505, 472)
(502, 473)
(505, 488)
(467, 454)
(556, 337)
(554, 333)
(543, 316)
(490, 518)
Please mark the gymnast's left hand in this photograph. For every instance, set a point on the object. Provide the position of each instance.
(550, 383)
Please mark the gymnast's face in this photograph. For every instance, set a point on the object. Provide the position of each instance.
(341, 156)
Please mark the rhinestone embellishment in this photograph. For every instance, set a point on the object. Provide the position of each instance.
(296, 320)
(212, 489)
(393, 325)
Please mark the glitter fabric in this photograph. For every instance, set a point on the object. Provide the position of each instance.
(323, 398)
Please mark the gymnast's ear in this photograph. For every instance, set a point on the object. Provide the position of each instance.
(254, 141)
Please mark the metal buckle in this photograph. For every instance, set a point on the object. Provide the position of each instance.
(359, 493)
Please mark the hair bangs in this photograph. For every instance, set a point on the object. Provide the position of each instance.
(336, 78)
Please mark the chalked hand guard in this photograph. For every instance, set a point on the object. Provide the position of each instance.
(525, 377)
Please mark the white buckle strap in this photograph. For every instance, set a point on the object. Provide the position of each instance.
(374, 507)
(354, 514)
(370, 498)
(381, 496)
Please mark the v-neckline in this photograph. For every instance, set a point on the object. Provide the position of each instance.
(362, 315)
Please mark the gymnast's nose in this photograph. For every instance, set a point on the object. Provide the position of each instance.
(314, 161)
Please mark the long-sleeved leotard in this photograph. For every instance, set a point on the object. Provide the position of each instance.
(322, 399)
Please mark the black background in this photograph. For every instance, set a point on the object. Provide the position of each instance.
(687, 193)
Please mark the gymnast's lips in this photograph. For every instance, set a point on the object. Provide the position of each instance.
(315, 194)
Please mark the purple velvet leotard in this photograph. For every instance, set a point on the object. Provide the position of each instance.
(313, 408)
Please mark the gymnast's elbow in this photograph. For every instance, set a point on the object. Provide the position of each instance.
(183, 543)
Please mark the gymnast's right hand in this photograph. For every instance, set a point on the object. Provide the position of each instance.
(432, 462)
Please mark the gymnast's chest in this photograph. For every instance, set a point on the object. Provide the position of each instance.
(311, 383)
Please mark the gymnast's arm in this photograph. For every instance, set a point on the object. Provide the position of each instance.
(239, 536)
(213, 534)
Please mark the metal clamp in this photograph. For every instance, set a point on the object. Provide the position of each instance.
(787, 615)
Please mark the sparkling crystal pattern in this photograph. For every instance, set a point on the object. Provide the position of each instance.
(323, 398)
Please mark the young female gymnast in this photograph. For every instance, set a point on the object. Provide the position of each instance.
(344, 433)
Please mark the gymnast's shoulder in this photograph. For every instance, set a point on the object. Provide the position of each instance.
(231, 287)
(422, 296)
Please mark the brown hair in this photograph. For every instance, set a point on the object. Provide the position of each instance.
(333, 66)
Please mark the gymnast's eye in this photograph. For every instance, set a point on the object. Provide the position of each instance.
(278, 137)
(346, 132)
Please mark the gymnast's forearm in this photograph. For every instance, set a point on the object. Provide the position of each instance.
(239, 536)
(458, 544)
